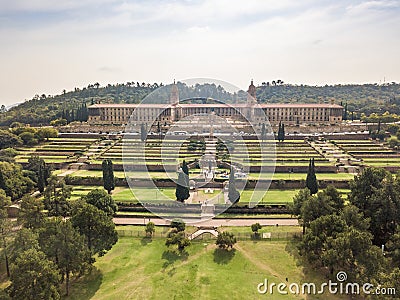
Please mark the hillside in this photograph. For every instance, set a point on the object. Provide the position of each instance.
(40, 110)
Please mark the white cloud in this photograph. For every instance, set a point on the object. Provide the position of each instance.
(117, 41)
(48, 5)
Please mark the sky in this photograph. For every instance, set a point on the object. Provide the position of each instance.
(47, 46)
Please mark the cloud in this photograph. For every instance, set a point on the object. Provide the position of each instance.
(317, 41)
(108, 69)
(48, 5)
(198, 29)
(373, 9)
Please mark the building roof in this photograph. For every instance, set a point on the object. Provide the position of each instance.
(216, 105)
(301, 105)
(149, 105)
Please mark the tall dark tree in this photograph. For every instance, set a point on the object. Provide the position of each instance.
(159, 129)
(5, 227)
(345, 112)
(41, 184)
(143, 132)
(311, 180)
(283, 132)
(280, 131)
(263, 132)
(108, 175)
(185, 168)
(2, 181)
(182, 187)
(233, 193)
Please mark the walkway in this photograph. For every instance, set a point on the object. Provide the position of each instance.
(211, 222)
(202, 231)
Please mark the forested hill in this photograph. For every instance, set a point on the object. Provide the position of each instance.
(42, 109)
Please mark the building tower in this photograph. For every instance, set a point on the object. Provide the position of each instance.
(251, 101)
(174, 96)
(251, 94)
(174, 101)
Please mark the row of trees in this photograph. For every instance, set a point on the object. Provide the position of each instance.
(361, 238)
(81, 114)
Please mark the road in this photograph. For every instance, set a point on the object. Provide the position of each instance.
(211, 222)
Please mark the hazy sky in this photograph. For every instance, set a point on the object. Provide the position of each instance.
(48, 45)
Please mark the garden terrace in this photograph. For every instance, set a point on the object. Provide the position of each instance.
(129, 149)
(290, 153)
(57, 150)
(370, 152)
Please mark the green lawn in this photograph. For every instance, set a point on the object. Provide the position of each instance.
(271, 196)
(141, 269)
(300, 176)
(144, 194)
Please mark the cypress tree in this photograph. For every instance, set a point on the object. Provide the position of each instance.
(182, 187)
(41, 177)
(311, 180)
(2, 181)
(283, 132)
(345, 112)
(263, 132)
(185, 168)
(86, 115)
(280, 131)
(108, 175)
(143, 133)
(67, 116)
(233, 193)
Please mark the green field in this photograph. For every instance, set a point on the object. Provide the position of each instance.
(143, 269)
